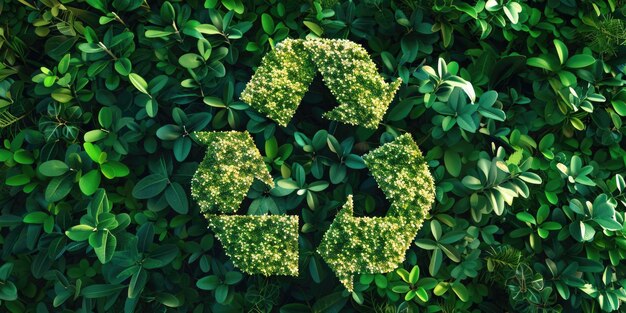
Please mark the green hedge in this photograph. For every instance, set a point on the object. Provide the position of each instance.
(518, 107)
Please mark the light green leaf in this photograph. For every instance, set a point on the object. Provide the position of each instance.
(561, 50)
(138, 82)
(53, 168)
(580, 61)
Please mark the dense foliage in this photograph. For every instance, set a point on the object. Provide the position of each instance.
(517, 105)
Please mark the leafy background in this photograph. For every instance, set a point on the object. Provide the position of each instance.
(99, 100)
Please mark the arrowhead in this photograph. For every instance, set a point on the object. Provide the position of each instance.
(279, 84)
(378, 244)
(264, 244)
(352, 77)
(402, 174)
(333, 247)
(225, 175)
(284, 76)
(364, 245)
(365, 111)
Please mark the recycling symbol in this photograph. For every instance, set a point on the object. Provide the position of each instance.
(268, 244)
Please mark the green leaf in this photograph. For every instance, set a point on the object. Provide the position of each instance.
(181, 148)
(123, 66)
(89, 182)
(94, 135)
(381, 281)
(8, 291)
(138, 82)
(217, 68)
(161, 256)
(167, 12)
(64, 64)
(530, 178)
(105, 251)
(580, 61)
(169, 132)
(221, 293)
(101, 290)
(150, 186)
(401, 289)
(176, 198)
(168, 300)
(422, 294)
(190, 60)
(488, 98)
(541, 63)
(208, 29)
(318, 186)
(137, 283)
(404, 274)
(466, 122)
(526, 217)
(561, 50)
(267, 23)
(113, 169)
(93, 151)
(214, 102)
(316, 29)
(208, 282)
(98, 4)
(79, 232)
(330, 303)
(472, 182)
(619, 106)
(512, 10)
(452, 161)
(8, 220)
(461, 292)
(577, 123)
(157, 84)
(289, 184)
(53, 168)
(59, 187)
(232, 278)
(23, 157)
(35, 218)
(414, 275)
(63, 95)
(581, 231)
(435, 262)
(152, 107)
(61, 297)
(152, 33)
(441, 288)
(354, 161)
(271, 148)
(314, 270)
(17, 180)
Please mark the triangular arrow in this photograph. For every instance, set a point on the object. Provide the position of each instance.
(266, 244)
(284, 76)
(225, 175)
(378, 244)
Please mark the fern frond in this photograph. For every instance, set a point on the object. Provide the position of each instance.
(503, 257)
(605, 36)
(6, 118)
